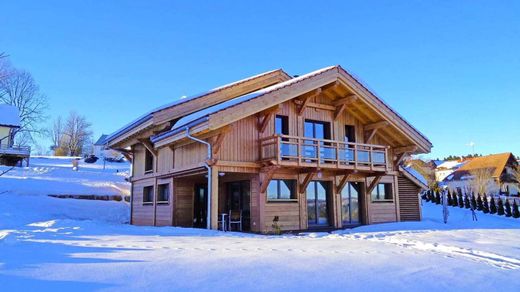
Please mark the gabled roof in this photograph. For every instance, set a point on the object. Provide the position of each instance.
(414, 176)
(101, 140)
(145, 121)
(451, 164)
(9, 116)
(495, 162)
(252, 103)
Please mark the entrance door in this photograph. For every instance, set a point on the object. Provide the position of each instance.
(317, 205)
(239, 197)
(350, 203)
(200, 206)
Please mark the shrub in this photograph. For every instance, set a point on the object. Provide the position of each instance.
(485, 205)
(492, 206)
(516, 212)
(277, 228)
(437, 198)
(450, 200)
(507, 206)
(479, 203)
(467, 202)
(500, 207)
(473, 202)
(461, 200)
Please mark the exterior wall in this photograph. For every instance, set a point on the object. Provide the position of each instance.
(409, 207)
(142, 214)
(381, 212)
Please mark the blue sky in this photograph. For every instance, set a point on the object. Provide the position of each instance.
(451, 68)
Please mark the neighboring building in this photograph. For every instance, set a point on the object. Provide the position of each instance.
(501, 167)
(11, 154)
(446, 168)
(101, 151)
(310, 152)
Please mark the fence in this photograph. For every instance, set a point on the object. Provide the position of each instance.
(492, 204)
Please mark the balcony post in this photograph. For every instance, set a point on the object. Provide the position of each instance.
(278, 150)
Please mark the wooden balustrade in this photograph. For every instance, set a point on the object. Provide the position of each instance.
(297, 151)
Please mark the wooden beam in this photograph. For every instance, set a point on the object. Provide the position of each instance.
(373, 184)
(149, 146)
(217, 143)
(347, 99)
(268, 176)
(405, 149)
(376, 125)
(339, 110)
(342, 183)
(266, 116)
(307, 99)
(400, 157)
(369, 135)
(306, 181)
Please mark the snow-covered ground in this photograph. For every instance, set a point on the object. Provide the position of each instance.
(48, 244)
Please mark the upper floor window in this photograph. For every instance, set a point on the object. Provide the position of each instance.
(350, 134)
(281, 189)
(148, 161)
(163, 193)
(281, 125)
(382, 193)
(148, 195)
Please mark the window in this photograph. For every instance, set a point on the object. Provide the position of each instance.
(163, 193)
(281, 125)
(382, 193)
(350, 134)
(148, 161)
(281, 189)
(148, 195)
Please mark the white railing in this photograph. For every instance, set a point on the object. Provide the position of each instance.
(15, 150)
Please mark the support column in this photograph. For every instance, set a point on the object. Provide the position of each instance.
(214, 197)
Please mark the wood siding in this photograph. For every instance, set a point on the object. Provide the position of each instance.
(409, 206)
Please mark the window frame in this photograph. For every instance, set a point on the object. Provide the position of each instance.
(150, 195)
(166, 187)
(387, 187)
(148, 155)
(293, 191)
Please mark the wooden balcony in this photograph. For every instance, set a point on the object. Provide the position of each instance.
(294, 151)
(23, 151)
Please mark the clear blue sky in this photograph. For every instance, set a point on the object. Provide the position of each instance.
(451, 68)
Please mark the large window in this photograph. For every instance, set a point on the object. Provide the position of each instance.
(281, 189)
(148, 195)
(163, 193)
(148, 161)
(382, 193)
(281, 125)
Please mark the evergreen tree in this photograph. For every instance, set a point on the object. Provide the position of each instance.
(450, 201)
(492, 206)
(507, 206)
(500, 207)
(473, 202)
(516, 212)
(461, 200)
(485, 205)
(437, 198)
(467, 202)
(479, 203)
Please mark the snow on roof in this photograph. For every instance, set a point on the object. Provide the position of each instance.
(416, 174)
(451, 164)
(232, 102)
(101, 140)
(9, 115)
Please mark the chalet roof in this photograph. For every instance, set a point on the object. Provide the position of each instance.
(204, 114)
(414, 176)
(101, 140)
(149, 115)
(9, 115)
(495, 162)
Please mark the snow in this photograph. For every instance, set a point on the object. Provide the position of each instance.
(9, 115)
(64, 244)
(416, 174)
(451, 164)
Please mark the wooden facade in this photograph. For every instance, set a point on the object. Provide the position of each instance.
(316, 151)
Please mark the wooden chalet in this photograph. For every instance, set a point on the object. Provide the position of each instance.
(318, 151)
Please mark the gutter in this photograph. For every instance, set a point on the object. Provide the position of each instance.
(209, 168)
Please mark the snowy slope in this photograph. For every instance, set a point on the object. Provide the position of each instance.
(63, 244)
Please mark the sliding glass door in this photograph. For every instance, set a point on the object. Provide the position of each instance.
(350, 203)
(317, 205)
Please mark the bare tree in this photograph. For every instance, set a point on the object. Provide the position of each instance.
(76, 133)
(18, 88)
(482, 181)
(56, 132)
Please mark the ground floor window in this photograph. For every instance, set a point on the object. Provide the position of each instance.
(163, 193)
(281, 189)
(148, 195)
(382, 193)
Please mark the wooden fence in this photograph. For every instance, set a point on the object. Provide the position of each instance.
(492, 204)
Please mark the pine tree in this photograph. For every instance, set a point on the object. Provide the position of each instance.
(473, 202)
(454, 201)
(450, 201)
(479, 203)
(507, 206)
(437, 198)
(467, 202)
(485, 205)
(516, 212)
(492, 206)
(461, 200)
(500, 207)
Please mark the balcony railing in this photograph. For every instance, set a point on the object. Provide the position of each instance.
(15, 150)
(323, 153)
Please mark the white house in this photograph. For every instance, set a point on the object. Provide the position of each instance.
(9, 126)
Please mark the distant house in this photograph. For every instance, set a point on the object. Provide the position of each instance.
(100, 149)
(501, 167)
(11, 154)
(446, 168)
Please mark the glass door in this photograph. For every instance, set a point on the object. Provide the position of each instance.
(317, 204)
(316, 130)
(239, 200)
(200, 206)
(350, 203)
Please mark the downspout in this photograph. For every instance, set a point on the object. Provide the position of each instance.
(208, 212)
